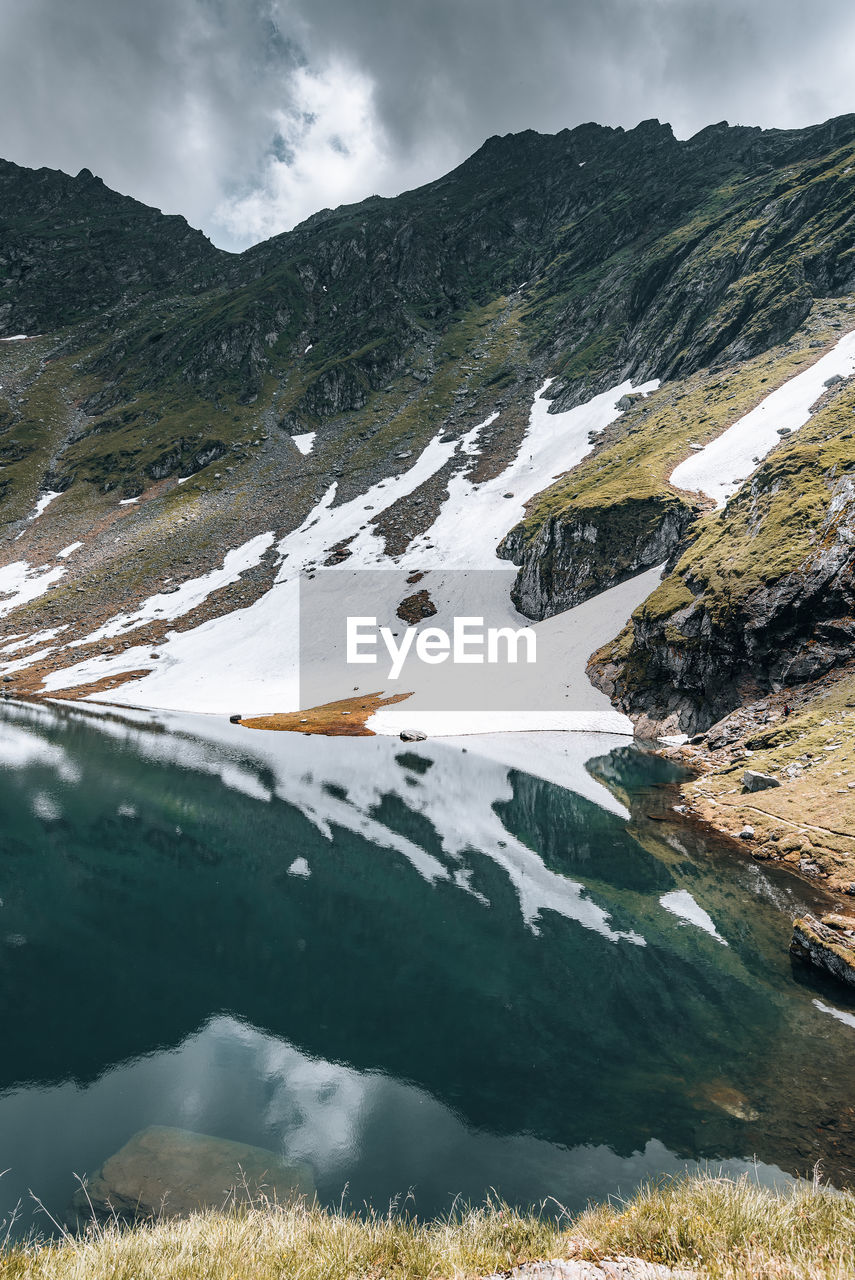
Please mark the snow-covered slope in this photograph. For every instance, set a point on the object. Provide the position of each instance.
(247, 661)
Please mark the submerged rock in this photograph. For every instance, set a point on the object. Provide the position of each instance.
(826, 945)
(174, 1172)
(730, 1100)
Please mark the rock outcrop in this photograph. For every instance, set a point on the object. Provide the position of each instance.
(578, 552)
(827, 944)
(765, 598)
(754, 781)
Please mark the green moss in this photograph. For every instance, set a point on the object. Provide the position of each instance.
(777, 522)
(643, 447)
(669, 597)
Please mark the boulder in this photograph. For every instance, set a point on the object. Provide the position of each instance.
(169, 1172)
(754, 781)
(412, 735)
(825, 947)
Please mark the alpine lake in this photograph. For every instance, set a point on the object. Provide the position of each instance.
(386, 973)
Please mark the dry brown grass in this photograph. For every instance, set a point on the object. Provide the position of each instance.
(731, 1229)
(345, 719)
(726, 1229)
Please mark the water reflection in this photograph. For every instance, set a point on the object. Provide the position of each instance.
(416, 967)
(364, 1131)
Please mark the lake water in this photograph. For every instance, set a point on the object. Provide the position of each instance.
(430, 970)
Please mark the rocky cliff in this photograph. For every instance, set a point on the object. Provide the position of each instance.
(718, 265)
(763, 598)
(575, 554)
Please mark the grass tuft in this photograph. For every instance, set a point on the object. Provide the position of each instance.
(726, 1229)
(732, 1229)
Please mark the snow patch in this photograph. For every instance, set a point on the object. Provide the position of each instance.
(69, 550)
(43, 503)
(20, 583)
(721, 466)
(38, 637)
(168, 605)
(305, 442)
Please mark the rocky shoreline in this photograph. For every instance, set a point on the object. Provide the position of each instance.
(801, 740)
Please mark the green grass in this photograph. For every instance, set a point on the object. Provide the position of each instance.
(775, 524)
(652, 438)
(725, 1229)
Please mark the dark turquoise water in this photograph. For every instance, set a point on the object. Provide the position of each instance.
(414, 969)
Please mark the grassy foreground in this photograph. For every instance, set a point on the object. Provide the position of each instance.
(725, 1229)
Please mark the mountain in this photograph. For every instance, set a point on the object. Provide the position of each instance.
(721, 268)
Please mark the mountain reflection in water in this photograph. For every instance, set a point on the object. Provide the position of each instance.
(449, 966)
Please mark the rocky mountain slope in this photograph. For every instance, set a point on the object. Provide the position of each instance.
(177, 402)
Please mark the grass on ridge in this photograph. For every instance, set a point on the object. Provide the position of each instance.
(728, 1229)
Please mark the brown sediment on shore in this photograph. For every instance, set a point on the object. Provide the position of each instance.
(33, 690)
(344, 719)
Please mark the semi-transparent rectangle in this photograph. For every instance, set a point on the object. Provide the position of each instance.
(452, 640)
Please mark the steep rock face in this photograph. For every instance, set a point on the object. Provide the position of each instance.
(703, 643)
(581, 551)
(70, 247)
(640, 254)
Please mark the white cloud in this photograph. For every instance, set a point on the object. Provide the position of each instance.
(332, 149)
(331, 144)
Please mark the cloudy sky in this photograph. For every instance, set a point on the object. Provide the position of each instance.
(248, 115)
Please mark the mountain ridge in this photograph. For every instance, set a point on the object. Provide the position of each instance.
(717, 265)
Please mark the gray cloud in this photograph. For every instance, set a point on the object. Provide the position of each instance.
(247, 115)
